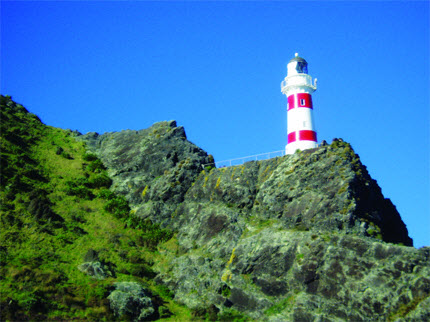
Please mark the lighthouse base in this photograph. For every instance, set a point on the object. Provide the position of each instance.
(292, 147)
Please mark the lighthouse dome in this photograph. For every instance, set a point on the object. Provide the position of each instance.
(299, 59)
(297, 65)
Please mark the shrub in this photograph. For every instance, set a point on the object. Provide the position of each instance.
(164, 291)
(79, 188)
(96, 166)
(142, 270)
(118, 206)
(66, 155)
(231, 315)
(153, 234)
(99, 181)
(89, 157)
(153, 237)
(206, 314)
(80, 191)
(106, 194)
(225, 290)
(82, 182)
(40, 207)
(134, 222)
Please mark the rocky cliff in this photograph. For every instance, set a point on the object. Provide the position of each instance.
(307, 236)
(150, 230)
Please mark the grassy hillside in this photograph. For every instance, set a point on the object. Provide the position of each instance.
(55, 210)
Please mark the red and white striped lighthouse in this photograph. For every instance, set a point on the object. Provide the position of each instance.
(298, 87)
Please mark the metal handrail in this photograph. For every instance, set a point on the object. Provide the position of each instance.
(256, 157)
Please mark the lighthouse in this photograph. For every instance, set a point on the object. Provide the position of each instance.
(298, 88)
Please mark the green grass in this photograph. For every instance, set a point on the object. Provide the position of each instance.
(55, 206)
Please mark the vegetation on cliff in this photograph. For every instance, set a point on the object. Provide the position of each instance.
(56, 214)
(129, 226)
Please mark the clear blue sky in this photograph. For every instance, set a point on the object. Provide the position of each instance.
(216, 68)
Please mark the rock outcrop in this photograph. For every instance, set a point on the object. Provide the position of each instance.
(307, 236)
(94, 267)
(153, 167)
(130, 300)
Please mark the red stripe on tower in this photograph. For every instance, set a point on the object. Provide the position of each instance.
(291, 137)
(304, 100)
(307, 135)
(290, 102)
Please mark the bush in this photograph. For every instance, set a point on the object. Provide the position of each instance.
(79, 182)
(80, 191)
(94, 181)
(99, 181)
(134, 222)
(152, 238)
(66, 155)
(89, 157)
(96, 166)
(207, 314)
(153, 234)
(142, 270)
(79, 188)
(164, 291)
(40, 208)
(118, 206)
(106, 194)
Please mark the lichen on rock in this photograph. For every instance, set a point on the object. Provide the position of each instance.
(130, 299)
(303, 236)
(153, 167)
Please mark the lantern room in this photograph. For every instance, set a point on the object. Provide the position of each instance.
(297, 65)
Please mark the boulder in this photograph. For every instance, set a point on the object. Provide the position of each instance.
(130, 299)
(93, 269)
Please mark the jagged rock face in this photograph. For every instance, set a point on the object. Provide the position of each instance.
(300, 237)
(279, 237)
(288, 275)
(326, 189)
(153, 167)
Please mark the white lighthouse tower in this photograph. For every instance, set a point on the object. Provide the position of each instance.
(298, 87)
